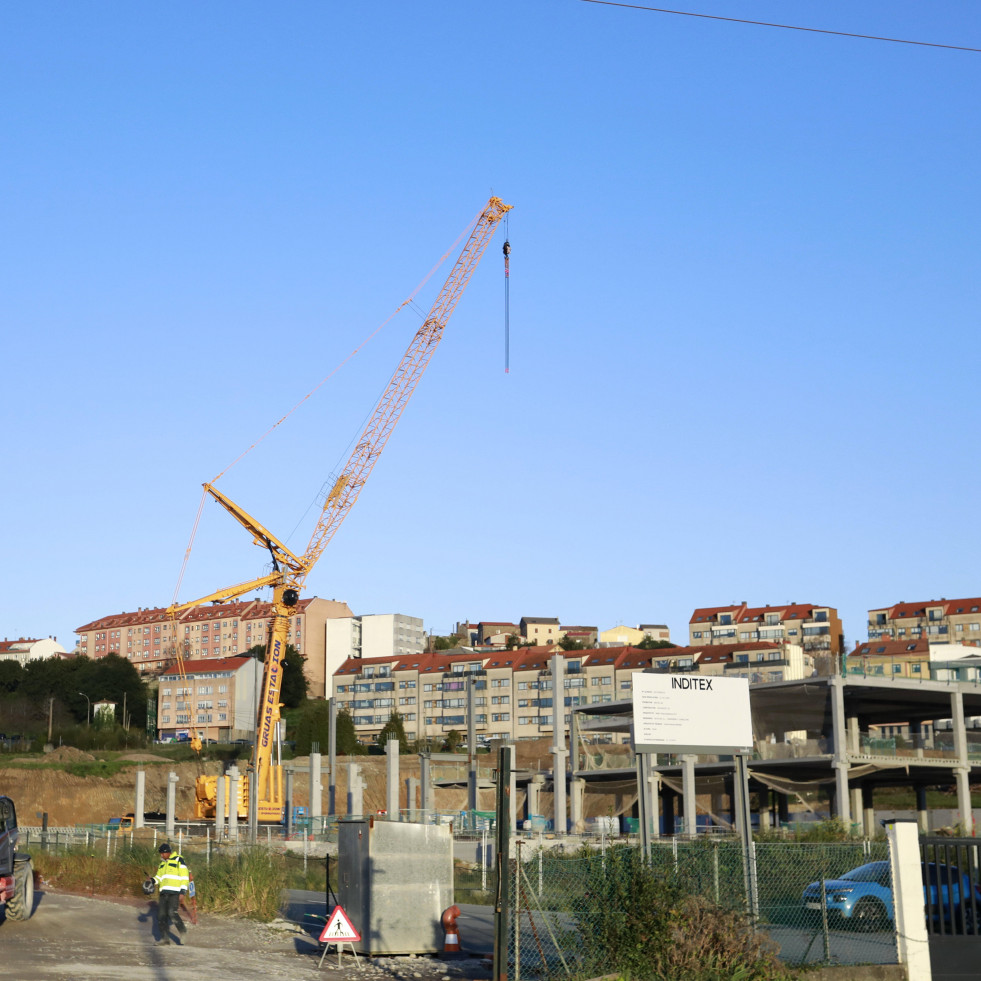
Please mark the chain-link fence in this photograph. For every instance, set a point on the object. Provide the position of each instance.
(588, 913)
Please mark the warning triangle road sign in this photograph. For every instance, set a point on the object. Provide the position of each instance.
(339, 929)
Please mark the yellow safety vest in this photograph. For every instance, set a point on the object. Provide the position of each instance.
(172, 874)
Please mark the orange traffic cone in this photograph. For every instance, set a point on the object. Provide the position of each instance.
(451, 945)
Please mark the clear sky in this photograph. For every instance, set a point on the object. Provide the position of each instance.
(744, 303)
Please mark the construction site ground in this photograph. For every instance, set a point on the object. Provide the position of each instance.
(70, 800)
(83, 938)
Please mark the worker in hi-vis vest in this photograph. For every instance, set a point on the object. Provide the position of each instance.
(173, 880)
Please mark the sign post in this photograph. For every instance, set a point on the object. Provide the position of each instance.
(338, 931)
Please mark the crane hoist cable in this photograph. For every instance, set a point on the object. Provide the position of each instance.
(507, 298)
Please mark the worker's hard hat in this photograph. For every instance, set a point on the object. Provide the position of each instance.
(164, 849)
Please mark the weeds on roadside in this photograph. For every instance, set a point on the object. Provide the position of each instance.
(248, 882)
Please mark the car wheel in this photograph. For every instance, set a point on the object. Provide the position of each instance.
(21, 904)
(869, 915)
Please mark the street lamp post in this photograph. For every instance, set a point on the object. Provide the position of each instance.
(88, 708)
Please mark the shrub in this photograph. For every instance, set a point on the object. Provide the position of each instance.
(643, 923)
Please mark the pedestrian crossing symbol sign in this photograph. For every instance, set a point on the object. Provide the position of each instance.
(339, 929)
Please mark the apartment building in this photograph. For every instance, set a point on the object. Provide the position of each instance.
(758, 662)
(816, 629)
(622, 636)
(942, 621)
(24, 650)
(150, 639)
(495, 633)
(540, 630)
(370, 636)
(513, 691)
(217, 698)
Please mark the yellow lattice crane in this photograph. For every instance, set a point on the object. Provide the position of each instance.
(290, 570)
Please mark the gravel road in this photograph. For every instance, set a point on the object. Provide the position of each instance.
(79, 938)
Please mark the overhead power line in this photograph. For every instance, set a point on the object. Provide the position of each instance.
(786, 27)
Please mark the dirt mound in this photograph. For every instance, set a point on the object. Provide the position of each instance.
(144, 758)
(68, 754)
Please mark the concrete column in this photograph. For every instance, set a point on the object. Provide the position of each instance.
(922, 817)
(559, 753)
(911, 930)
(690, 824)
(220, 807)
(963, 768)
(172, 779)
(783, 808)
(534, 795)
(471, 753)
(868, 809)
(140, 805)
(355, 801)
(668, 798)
(316, 787)
(288, 803)
(648, 806)
(411, 793)
(252, 786)
(855, 802)
(854, 736)
(766, 818)
(642, 761)
(425, 788)
(654, 780)
(233, 776)
(392, 780)
(577, 793)
(965, 816)
(839, 741)
(332, 761)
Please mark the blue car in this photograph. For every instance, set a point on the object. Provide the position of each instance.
(862, 898)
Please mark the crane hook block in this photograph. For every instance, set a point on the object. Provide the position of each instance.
(507, 247)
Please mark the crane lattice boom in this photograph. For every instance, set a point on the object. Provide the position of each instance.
(416, 359)
(289, 570)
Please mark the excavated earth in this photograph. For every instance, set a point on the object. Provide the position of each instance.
(70, 800)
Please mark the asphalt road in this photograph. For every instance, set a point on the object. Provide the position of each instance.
(78, 938)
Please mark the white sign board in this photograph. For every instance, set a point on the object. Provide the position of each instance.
(691, 713)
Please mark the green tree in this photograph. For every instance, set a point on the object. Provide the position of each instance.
(571, 644)
(393, 729)
(347, 737)
(11, 675)
(453, 740)
(294, 687)
(445, 643)
(650, 644)
(311, 725)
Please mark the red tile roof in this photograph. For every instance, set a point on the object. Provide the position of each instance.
(891, 648)
(706, 614)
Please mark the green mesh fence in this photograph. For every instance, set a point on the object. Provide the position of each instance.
(594, 912)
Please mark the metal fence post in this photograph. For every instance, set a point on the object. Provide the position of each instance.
(501, 856)
(516, 906)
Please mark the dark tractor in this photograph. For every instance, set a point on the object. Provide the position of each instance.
(16, 871)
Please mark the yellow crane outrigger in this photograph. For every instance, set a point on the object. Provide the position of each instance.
(289, 570)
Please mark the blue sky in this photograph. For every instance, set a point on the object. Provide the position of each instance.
(744, 304)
